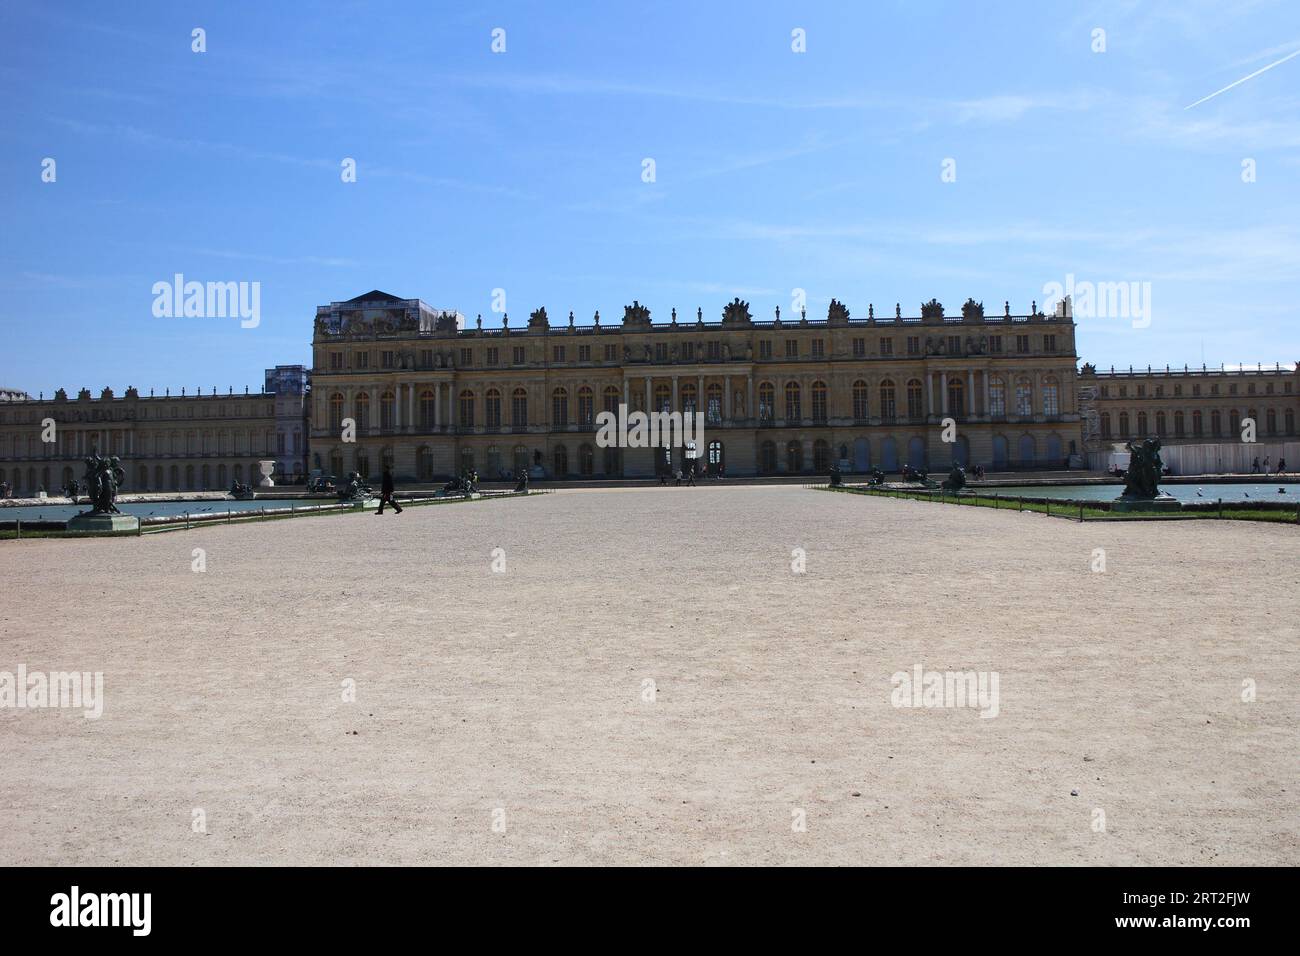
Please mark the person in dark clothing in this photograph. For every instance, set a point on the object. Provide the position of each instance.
(386, 493)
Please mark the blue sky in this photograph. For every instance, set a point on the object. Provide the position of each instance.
(522, 170)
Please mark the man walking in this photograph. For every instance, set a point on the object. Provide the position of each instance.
(386, 492)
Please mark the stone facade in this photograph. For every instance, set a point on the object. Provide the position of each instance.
(780, 396)
(187, 442)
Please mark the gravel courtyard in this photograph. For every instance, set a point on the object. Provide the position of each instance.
(507, 716)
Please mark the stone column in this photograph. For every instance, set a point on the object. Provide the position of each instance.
(674, 406)
(726, 398)
(929, 394)
(701, 401)
(752, 410)
(437, 407)
(647, 394)
(410, 407)
(943, 392)
(988, 396)
(970, 393)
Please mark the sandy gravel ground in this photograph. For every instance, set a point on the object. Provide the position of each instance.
(517, 698)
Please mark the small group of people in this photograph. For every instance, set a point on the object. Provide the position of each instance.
(1257, 469)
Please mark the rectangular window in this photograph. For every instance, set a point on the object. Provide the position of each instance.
(995, 344)
(715, 350)
(765, 348)
(363, 360)
(611, 353)
(466, 358)
(791, 348)
(386, 359)
(914, 345)
(819, 348)
(336, 360)
(859, 348)
(688, 351)
(887, 345)
(557, 353)
(519, 355)
(661, 352)
(1049, 343)
(954, 345)
(493, 355)
(1022, 344)
(584, 353)
(426, 358)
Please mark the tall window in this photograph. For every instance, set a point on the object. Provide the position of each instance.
(713, 405)
(915, 399)
(663, 401)
(426, 409)
(586, 407)
(1142, 424)
(336, 413)
(1051, 397)
(559, 408)
(1123, 425)
(519, 408)
(819, 401)
(361, 410)
(492, 409)
(767, 404)
(793, 405)
(1024, 397)
(956, 398)
(467, 409)
(387, 410)
(888, 406)
(1105, 424)
(860, 410)
(997, 397)
(690, 398)
(612, 398)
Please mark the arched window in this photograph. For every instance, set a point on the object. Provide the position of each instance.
(1270, 417)
(713, 404)
(426, 409)
(466, 460)
(559, 408)
(336, 413)
(1142, 424)
(492, 409)
(888, 407)
(586, 461)
(561, 458)
(466, 409)
(363, 463)
(336, 463)
(1105, 424)
(1178, 425)
(1160, 424)
(690, 399)
(1024, 397)
(860, 409)
(1197, 424)
(915, 400)
(663, 400)
(1289, 418)
(821, 456)
(956, 397)
(520, 460)
(794, 456)
(767, 457)
(793, 403)
(613, 398)
(519, 409)
(997, 397)
(361, 411)
(586, 407)
(1051, 397)
(493, 466)
(612, 460)
(767, 407)
(1216, 422)
(1123, 426)
(819, 402)
(387, 411)
(424, 463)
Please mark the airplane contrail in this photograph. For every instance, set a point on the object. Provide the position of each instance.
(1244, 79)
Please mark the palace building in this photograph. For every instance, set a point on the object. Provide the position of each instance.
(431, 397)
(186, 442)
(396, 382)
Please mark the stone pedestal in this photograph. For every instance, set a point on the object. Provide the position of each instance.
(103, 524)
(1160, 503)
(266, 467)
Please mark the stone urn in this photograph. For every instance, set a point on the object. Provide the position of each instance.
(266, 467)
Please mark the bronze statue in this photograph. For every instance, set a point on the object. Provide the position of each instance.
(103, 476)
(1142, 478)
(956, 479)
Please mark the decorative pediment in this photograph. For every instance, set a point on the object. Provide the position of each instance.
(736, 313)
(636, 314)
